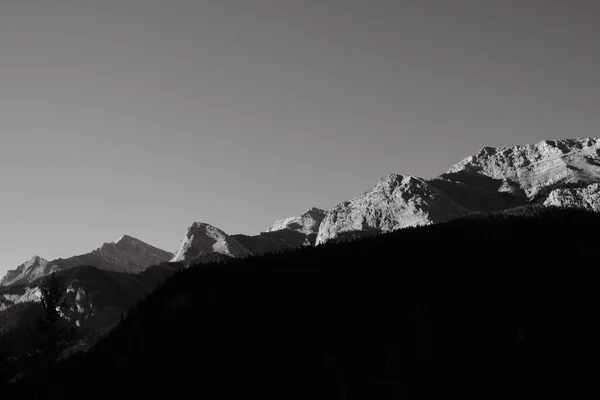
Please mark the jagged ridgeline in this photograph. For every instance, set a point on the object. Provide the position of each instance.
(278, 299)
(553, 172)
(490, 298)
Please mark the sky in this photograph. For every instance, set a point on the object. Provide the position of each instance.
(144, 116)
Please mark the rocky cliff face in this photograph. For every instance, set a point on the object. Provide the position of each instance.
(127, 254)
(587, 197)
(538, 168)
(396, 201)
(202, 238)
(552, 172)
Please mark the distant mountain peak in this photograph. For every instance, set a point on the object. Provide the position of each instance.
(538, 168)
(553, 172)
(36, 259)
(124, 237)
(29, 271)
(127, 254)
(307, 223)
(202, 238)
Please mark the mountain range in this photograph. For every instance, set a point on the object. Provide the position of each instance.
(102, 285)
(553, 172)
(127, 254)
(562, 173)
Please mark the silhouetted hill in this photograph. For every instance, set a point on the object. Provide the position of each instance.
(497, 302)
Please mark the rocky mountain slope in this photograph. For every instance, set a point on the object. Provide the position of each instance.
(29, 271)
(538, 169)
(395, 202)
(202, 239)
(552, 172)
(127, 254)
(308, 223)
(289, 233)
(586, 197)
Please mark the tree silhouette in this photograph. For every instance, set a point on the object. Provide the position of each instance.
(51, 332)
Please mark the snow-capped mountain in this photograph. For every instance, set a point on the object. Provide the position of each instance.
(553, 172)
(202, 239)
(586, 197)
(127, 254)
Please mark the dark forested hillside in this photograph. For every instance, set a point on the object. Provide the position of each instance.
(496, 302)
(93, 300)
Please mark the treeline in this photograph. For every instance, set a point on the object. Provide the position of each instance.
(490, 299)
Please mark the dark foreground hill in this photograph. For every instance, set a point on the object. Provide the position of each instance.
(489, 306)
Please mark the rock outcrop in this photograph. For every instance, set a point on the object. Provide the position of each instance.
(127, 254)
(587, 197)
(202, 238)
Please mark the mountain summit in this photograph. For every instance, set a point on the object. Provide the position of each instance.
(127, 254)
(540, 168)
(396, 201)
(202, 239)
(29, 271)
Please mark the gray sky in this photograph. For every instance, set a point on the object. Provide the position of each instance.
(143, 116)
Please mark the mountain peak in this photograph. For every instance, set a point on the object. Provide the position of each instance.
(308, 223)
(202, 238)
(396, 201)
(203, 225)
(36, 259)
(540, 167)
(127, 254)
(125, 237)
(29, 271)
